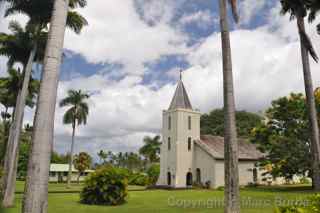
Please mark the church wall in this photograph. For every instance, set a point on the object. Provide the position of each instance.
(245, 173)
(205, 163)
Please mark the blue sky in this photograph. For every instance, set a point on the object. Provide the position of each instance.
(130, 55)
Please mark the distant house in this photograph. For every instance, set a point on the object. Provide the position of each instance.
(59, 173)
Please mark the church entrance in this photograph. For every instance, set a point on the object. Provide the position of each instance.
(189, 179)
(169, 179)
(198, 176)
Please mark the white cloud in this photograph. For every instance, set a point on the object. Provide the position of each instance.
(118, 34)
(250, 8)
(201, 18)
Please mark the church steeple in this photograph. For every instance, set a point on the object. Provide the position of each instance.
(180, 98)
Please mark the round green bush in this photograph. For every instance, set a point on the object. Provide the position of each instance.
(106, 186)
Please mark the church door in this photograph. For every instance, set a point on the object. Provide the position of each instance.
(189, 179)
(169, 178)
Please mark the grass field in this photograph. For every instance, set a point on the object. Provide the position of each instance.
(263, 200)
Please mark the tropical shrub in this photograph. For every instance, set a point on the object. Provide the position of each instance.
(153, 174)
(106, 186)
(139, 179)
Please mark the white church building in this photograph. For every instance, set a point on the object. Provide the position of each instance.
(187, 157)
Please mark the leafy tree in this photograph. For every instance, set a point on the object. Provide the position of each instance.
(213, 123)
(151, 149)
(153, 174)
(298, 9)
(82, 162)
(75, 115)
(59, 158)
(232, 197)
(285, 138)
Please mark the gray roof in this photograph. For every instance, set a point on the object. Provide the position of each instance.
(180, 98)
(214, 145)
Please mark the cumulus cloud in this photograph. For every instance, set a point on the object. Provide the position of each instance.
(117, 33)
(250, 8)
(202, 19)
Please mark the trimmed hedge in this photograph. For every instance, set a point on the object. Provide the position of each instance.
(106, 186)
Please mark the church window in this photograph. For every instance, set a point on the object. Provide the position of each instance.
(169, 143)
(169, 123)
(189, 122)
(189, 144)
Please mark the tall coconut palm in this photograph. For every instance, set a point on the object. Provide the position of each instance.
(232, 199)
(36, 192)
(39, 13)
(298, 9)
(75, 115)
(16, 47)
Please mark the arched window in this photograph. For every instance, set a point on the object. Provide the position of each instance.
(255, 175)
(169, 143)
(189, 144)
(189, 122)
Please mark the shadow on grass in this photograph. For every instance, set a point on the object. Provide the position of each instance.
(283, 188)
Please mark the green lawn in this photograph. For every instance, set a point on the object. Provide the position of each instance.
(145, 201)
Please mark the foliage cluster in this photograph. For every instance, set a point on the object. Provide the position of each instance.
(106, 186)
(285, 138)
(213, 123)
(153, 174)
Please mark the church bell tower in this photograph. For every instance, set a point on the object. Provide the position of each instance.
(180, 128)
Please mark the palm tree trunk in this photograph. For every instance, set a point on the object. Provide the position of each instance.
(312, 113)
(71, 155)
(36, 191)
(232, 199)
(11, 156)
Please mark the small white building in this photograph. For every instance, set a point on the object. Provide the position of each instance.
(187, 157)
(59, 173)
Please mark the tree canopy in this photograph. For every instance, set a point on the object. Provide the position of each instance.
(213, 123)
(285, 138)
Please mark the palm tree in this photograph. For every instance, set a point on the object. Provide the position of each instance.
(232, 199)
(151, 149)
(298, 9)
(16, 47)
(39, 13)
(75, 115)
(36, 191)
(314, 6)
